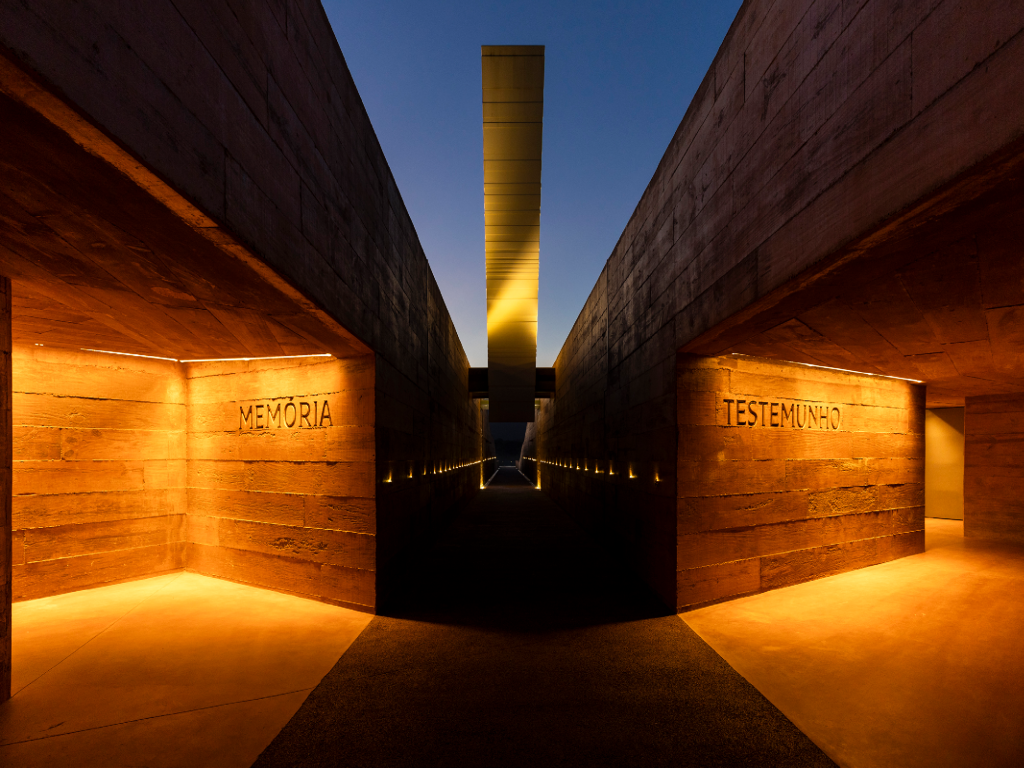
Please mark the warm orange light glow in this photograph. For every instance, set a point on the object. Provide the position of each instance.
(841, 370)
(127, 354)
(247, 359)
(203, 360)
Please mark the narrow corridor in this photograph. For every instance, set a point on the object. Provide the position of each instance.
(521, 643)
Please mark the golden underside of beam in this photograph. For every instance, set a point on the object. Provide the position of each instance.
(513, 110)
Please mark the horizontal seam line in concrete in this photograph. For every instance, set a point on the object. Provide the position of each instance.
(155, 717)
(115, 621)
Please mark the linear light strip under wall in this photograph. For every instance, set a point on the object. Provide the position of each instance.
(129, 354)
(829, 368)
(229, 359)
(204, 360)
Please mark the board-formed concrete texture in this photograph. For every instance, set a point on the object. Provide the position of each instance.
(993, 468)
(7, 544)
(790, 472)
(200, 182)
(99, 469)
(844, 191)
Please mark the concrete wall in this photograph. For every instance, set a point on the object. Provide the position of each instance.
(262, 128)
(789, 473)
(993, 468)
(6, 583)
(247, 111)
(284, 498)
(944, 463)
(99, 469)
(126, 467)
(819, 124)
(426, 423)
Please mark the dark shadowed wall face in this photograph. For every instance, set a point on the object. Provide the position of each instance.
(994, 468)
(605, 444)
(99, 469)
(281, 475)
(430, 440)
(790, 472)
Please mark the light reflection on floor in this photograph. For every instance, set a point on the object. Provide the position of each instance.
(916, 662)
(169, 671)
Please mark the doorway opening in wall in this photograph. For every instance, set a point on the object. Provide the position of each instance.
(944, 474)
(508, 442)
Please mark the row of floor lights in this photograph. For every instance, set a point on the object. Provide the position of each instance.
(445, 467)
(571, 464)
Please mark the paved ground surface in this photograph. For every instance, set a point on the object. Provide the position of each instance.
(175, 670)
(915, 663)
(520, 643)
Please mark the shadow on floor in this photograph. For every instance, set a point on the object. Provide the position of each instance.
(516, 563)
(518, 642)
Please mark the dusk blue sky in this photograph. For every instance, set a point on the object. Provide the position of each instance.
(618, 79)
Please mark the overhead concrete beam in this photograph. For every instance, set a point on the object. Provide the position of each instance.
(513, 107)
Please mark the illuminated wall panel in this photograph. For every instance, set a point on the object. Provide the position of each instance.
(993, 468)
(5, 484)
(259, 471)
(513, 106)
(99, 469)
(788, 473)
(281, 466)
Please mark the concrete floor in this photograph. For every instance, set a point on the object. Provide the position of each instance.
(918, 662)
(170, 671)
(518, 641)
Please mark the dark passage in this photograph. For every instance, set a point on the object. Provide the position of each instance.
(521, 643)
